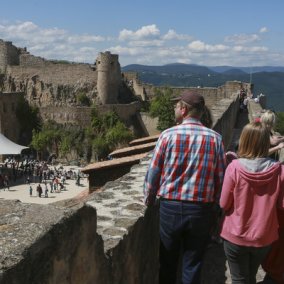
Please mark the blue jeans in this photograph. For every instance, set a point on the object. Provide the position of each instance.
(244, 261)
(184, 228)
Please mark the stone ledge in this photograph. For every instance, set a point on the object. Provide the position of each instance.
(133, 150)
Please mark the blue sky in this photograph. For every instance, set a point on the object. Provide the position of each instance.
(156, 32)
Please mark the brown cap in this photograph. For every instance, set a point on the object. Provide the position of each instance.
(192, 98)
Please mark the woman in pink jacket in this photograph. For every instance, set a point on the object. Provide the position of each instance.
(253, 188)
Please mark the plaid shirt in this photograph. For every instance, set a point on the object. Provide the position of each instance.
(188, 163)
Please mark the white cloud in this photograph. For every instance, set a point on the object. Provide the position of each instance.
(263, 30)
(199, 46)
(51, 43)
(146, 45)
(128, 51)
(242, 38)
(84, 38)
(250, 49)
(173, 35)
(145, 32)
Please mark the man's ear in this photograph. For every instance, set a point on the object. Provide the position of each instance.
(184, 111)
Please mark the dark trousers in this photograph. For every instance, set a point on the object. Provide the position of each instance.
(244, 261)
(184, 227)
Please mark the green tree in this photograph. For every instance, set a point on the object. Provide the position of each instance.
(65, 146)
(109, 132)
(39, 142)
(163, 108)
(101, 147)
(118, 134)
(29, 120)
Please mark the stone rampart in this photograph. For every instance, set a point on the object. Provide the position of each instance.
(47, 244)
(81, 116)
(9, 55)
(211, 95)
(8, 104)
(74, 115)
(55, 73)
(125, 111)
(28, 60)
(133, 81)
(112, 238)
(225, 114)
(223, 101)
(109, 77)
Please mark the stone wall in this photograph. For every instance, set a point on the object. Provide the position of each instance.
(150, 123)
(212, 95)
(28, 60)
(133, 81)
(47, 244)
(80, 116)
(112, 238)
(225, 114)
(8, 104)
(55, 73)
(222, 101)
(9, 55)
(109, 77)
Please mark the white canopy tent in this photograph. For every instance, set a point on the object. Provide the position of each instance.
(8, 147)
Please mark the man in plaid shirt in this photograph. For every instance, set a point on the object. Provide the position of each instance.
(186, 172)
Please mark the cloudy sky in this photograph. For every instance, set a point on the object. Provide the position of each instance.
(150, 32)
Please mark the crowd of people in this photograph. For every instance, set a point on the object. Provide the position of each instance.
(199, 189)
(48, 178)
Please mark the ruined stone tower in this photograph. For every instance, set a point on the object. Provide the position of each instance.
(9, 55)
(109, 77)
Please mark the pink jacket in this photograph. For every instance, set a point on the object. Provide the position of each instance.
(249, 200)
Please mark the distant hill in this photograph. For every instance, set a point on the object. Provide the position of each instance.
(175, 68)
(266, 81)
(252, 69)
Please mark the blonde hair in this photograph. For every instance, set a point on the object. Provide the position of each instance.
(268, 119)
(254, 141)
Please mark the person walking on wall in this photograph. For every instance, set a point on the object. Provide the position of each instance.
(186, 172)
(252, 190)
(268, 119)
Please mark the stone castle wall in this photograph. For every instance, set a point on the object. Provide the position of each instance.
(28, 60)
(9, 55)
(82, 115)
(112, 238)
(133, 81)
(8, 104)
(211, 95)
(55, 73)
(109, 77)
(74, 115)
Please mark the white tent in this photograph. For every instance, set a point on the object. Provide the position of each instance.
(8, 147)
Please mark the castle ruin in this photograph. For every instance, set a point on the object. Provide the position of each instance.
(109, 77)
(112, 237)
(54, 87)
